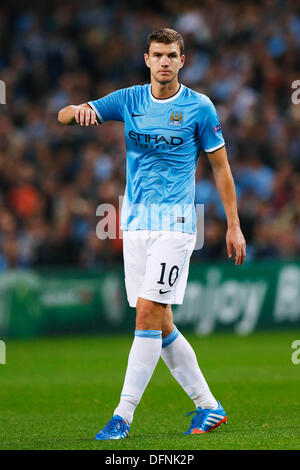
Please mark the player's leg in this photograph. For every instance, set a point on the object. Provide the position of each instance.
(177, 353)
(146, 347)
(144, 355)
(180, 358)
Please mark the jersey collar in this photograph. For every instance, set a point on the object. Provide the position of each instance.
(167, 100)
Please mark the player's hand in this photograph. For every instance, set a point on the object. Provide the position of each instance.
(236, 243)
(85, 116)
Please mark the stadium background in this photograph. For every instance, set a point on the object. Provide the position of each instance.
(244, 55)
(56, 276)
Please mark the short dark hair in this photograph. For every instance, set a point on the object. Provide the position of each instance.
(166, 36)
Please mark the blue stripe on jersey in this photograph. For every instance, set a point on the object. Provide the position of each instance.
(163, 141)
(170, 338)
(154, 334)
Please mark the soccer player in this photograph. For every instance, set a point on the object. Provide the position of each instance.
(166, 126)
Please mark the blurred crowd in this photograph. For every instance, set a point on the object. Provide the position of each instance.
(243, 55)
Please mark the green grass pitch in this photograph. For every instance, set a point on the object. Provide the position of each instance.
(58, 393)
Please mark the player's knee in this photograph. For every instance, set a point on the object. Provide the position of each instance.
(148, 320)
(149, 315)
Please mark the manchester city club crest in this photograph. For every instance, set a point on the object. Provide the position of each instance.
(176, 118)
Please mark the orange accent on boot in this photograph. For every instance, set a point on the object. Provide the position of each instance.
(199, 431)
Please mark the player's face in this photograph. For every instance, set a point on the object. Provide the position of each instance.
(164, 61)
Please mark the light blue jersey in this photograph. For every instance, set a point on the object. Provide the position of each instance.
(163, 141)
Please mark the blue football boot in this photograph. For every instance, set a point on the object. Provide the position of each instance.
(206, 420)
(116, 428)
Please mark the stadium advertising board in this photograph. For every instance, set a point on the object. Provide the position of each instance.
(218, 297)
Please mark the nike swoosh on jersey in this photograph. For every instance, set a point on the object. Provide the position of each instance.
(164, 291)
(136, 115)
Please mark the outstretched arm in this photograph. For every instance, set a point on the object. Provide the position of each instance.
(82, 114)
(225, 185)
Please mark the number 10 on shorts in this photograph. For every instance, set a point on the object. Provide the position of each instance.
(171, 278)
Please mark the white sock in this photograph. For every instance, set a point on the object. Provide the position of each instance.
(181, 359)
(143, 357)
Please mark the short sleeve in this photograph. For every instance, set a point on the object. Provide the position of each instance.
(110, 107)
(210, 132)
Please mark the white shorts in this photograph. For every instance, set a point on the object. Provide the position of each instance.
(156, 265)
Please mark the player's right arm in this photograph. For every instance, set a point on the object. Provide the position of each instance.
(82, 114)
(109, 108)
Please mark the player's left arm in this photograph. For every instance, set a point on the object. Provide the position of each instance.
(235, 240)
